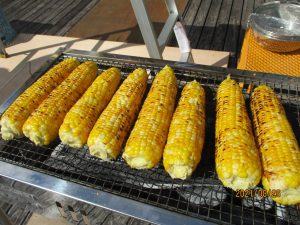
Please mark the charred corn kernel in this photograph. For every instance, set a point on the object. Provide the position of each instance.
(43, 124)
(80, 120)
(278, 146)
(182, 152)
(237, 158)
(16, 115)
(146, 142)
(107, 136)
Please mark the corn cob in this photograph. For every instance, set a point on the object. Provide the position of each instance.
(80, 120)
(146, 142)
(237, 158)
(15, 116)
(107, 136)
(278, 146)
(182, 152)
(43, 124)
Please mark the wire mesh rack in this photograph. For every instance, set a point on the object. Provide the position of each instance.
(202, 196)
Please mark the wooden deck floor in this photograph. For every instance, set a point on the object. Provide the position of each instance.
(118, 23)
(53, 17)
(218, 24)
(210, 24)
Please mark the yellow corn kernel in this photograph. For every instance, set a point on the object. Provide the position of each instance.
(15, 116)
(107, 136)
(80, 120)
(182, 152)
(43, 124)
(146, 142)
(237, 158)
(278, 146)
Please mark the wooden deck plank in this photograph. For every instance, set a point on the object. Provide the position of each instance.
(49, 21)
(190, 14)
(29, 21)
(17, 23)
(119, 23)
(70, 7)
(42, 22)
(233, 30)
(21, 10)
(57, 10)
(52, 11)
(247, 10)
(31, 15)
(221, 26)
(40, 16)
(76, 18)
(196, 30)
(10, 5)
(103, 23)
(17, 9)
(67, 17)
(5, 3)
(208, 31)
(210, 24)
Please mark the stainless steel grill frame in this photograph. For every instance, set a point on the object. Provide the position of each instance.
(151, 194)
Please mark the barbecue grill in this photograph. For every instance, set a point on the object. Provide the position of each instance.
(152, 195)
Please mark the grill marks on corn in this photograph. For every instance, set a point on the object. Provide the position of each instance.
(237, 158)
(107, 136)
(43, 124)
(145, 144)
(19, 111)
(277, 144)
(182, 152)
(80, 120)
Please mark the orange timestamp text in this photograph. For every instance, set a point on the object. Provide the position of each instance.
(248, 193)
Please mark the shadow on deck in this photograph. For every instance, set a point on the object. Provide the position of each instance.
(211, 24)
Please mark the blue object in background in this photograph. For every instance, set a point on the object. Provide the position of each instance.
(7, 33)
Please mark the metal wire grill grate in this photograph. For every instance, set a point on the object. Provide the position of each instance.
(201, 196)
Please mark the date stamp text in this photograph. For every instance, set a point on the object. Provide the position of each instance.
(249, 193)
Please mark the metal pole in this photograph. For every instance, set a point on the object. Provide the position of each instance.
(168, 27)
(154, 44)
(146, 27)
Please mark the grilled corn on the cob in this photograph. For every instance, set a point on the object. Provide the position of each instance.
(146, 142)
(43, 124)
(16, 115)
(278, 146)
(182, 152)
(80, 120)
(107, 136)
(237, 158)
